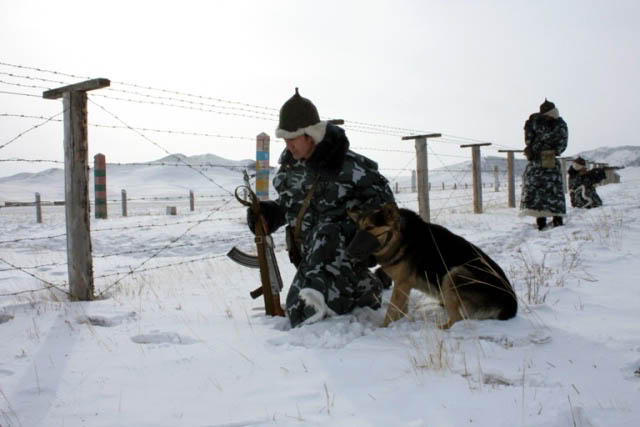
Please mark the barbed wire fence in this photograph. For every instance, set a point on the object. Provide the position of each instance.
(217, 207)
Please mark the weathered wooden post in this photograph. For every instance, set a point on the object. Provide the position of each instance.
(38, 209)
(496, 179)
(123, 195)
(76, 182)
(192, 202)
(423, 172)
(511, 183)
(476, 174)
(413, 181)
(262, 166)
(100, 185)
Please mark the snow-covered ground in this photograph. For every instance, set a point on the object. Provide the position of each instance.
(185, 345)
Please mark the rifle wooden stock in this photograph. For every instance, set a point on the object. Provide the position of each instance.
(269, 273)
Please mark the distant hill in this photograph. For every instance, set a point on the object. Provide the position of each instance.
(209, 160)
(209, 174)
(172, 174)
(626, 155)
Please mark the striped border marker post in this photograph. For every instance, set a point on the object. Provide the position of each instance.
(262, 166)
(100, 184)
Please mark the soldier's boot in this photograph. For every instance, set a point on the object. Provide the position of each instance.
(541, 222)
(557, 221)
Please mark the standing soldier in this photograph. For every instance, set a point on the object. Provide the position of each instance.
(318, 180)
(546, 136)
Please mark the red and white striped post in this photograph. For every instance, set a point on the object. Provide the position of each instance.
(100, 185)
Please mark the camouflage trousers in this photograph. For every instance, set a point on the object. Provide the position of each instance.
(343, 283)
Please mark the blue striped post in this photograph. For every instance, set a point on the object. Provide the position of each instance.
(262, 166)
(100, 185)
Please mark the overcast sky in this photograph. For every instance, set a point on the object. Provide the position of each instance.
(472, 70)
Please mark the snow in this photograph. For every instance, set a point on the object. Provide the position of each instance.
(185, 345)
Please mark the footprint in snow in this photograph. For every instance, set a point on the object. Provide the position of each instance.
(107, 321)
(163, 338)
(4, 317)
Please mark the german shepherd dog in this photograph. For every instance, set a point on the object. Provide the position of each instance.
(428, 257)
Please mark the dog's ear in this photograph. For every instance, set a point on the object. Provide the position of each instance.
(390, 211)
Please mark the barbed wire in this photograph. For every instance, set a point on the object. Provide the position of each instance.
(161, 147)
(205, 104)
(21, 134)
(142, 129)
(46, 282)
(5, 92)
(23, 85)
(142, 270)
(32, 78)
(270, 112)
(21, 160)
(154, 255)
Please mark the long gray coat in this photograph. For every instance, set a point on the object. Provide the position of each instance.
(542, 191)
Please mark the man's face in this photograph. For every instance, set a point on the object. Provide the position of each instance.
(300, 147)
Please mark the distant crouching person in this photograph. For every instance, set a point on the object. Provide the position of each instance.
(582, 184)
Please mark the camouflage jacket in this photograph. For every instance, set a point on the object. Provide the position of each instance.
(343, 180)
(542, 192)
(582, 190)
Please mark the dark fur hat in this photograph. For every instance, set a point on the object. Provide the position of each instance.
(298, 116)
(546, 106)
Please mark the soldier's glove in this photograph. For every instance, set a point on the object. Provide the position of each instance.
(272, 214)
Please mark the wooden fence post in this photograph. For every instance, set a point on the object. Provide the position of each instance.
(123, 195)
(477, 175)
(38, 209)
(511, 183)
(76, 171)
(496, 179)
(100, 185)
(423, 172)
(192, 202)
(413, 181)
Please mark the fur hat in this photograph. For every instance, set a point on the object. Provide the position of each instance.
(579, 163)
(298, 116)
(546, 106)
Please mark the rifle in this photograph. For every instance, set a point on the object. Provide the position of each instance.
(613, 168)
(265, 260)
